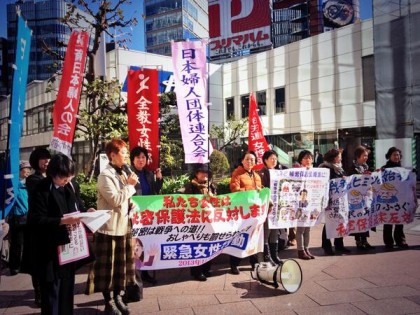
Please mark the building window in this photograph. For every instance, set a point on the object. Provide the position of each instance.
(368, 70)
(261, 103)
(280, 100)
(245, 105)
(230, 108)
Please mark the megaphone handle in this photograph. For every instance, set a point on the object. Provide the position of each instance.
(276, 284)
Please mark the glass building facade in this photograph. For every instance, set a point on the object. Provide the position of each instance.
(43, 19)
(168, 20)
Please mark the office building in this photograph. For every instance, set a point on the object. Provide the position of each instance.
(43, 18)
(167, 20)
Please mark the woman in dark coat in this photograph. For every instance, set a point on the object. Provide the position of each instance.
(360, 167)
(53, 198)
(332, 161)
(150, 183)
(201, 184)
(393, 157)
(39, 159)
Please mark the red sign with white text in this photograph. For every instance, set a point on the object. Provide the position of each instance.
(143, 112)
(256, 139)
(237, 25)
(67, 103)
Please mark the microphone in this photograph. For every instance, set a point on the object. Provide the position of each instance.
(127, 169)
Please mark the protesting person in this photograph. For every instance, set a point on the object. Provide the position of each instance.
(332, 161)
(113, 270)
(303, 233)
(17, 219)
(244, 178)
(318, 158)
(201, 183)
(52, 203)
(393, 157)
(271, 238)
(361, 167)
(38, 160)
(149, 184)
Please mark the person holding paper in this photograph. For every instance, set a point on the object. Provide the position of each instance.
(393, 157)
(360, 167)
(113, 270)
(271, 245)
(303, 233)
(53, 200)
(332, 161)
(201, 183)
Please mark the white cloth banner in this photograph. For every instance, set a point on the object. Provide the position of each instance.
(173, 231)
(359, 202)
(189, 62)
(299, 195)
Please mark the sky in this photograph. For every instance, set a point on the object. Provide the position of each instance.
(135, 10)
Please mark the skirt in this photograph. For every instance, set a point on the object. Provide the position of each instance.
(113, 268)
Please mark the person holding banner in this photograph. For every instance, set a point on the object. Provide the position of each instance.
(361, 167)
(393, 157)
(52, 203)
(38, 160)
(200, 183)
(149, 184)
(271, 239)
(113, 270)
(332, 161)
(243, 179)
(305, 160)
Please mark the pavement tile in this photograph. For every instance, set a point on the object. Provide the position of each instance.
(389, 306)
(338, 297)
(393, 279)
(145, 306)
(390, 292)
(345, 284)
(284, 302)
(243, 308)
(180, 311)
(415, 298)
(176, 301)
(342, 309)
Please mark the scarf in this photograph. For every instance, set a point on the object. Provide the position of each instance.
(360, 168)
(203, 188)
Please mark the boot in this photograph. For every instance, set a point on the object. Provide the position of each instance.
(309, 254)
(122, 307)
(111, 308)
(267, 255)
(302, 255)
(274, 249)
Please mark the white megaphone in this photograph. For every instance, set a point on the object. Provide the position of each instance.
(288, 273)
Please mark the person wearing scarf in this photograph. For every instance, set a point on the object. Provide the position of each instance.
(332, 161)
(360, 167)
(201, 184)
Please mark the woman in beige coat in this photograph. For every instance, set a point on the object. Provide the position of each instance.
(113, 269)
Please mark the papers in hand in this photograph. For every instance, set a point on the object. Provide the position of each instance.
(95, 219)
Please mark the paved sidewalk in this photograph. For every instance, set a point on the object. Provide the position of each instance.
(374, 282)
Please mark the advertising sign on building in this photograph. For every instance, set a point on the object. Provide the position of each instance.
(238, 25)
(339, 13)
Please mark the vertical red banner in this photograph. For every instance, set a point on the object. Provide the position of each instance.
(256, 139)
(143, 112)
(67, 103)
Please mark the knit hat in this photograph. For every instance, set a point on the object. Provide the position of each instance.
(24, 164)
